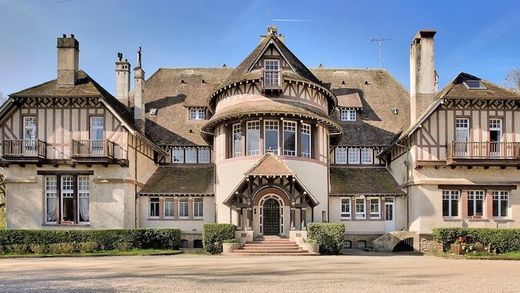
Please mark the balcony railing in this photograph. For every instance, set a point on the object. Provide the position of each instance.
(271, 80)
(24, 148)
(93, 148)
(483, 150)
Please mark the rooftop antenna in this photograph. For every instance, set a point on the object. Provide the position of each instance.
(380, 45)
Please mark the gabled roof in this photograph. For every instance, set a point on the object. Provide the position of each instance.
(351, 100)
(181, 180)
(348, 181)
(270, 165)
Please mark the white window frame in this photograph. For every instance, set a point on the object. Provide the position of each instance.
(475, 196)
(346, 208)
(291, 127)
(204, 155)
(183, 201)
(169, 202)
(190, 155)
(306, 131)
(197, 113)
(341, 155)
(250, 127)
(150, 208)
(348, 114)
(451, 196)
(272, 76)
(500, 196)
(196, 203)
(83, 193)
(67, 191)
(236, 142)
(272, 126)
(367, 156)
(350, 154)
(375, 202)
(51, 191)
(178, 150)
(360, 214)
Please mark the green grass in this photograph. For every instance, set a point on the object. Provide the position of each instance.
(513, 255)
(129, 252)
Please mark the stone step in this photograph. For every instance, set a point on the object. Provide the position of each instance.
(272, 254)
(271, 245)
(270, 242)
(271, 251)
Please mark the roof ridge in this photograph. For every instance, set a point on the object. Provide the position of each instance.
(265, 157)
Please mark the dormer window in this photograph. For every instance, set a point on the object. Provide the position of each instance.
(271, 74)
(348, 114)
(197, 113)
(474, 85)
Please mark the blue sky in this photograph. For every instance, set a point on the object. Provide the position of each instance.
(479, 37)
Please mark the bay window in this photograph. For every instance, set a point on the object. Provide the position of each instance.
(253, 138)
(289, 138)
(305, 140)
(66, 199)
(271, 136)
(237, 140)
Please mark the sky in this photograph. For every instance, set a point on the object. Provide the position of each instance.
(478, 37)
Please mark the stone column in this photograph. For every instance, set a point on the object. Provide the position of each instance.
(249, 219)
(304, 219)
(239, 218)
(293, 216)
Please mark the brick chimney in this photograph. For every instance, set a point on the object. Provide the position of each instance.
(139, 94)
(68, 60)
(122, 80)
(423, 77)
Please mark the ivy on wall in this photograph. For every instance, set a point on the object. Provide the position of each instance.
(2, 202)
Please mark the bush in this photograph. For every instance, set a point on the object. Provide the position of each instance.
(213, 236)
(329, 236)
(124, 246)
(231, 241)
(39, 248)
(498, 240)
(18, 248)
(88, 247)
(103, 239)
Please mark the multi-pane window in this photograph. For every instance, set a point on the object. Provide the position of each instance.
(153, 211)
(30, 147)
(191, 155)
(253, 138)
(353, 155)
(305, 138)
(341, 155)
(198, 208)
(345, 208)
(197, 113)
(97, 128)
(51, 199)
(360, 208)
(500, 203)
(348, 114)
(495, 136)
(271, 73)
(271, 136)
(237, 140)
(168, 207)
(375, 208)
(66, 199)
(289, 138)
(83, 197)
(204, 155)
(450, 203)
(183, 208)
(475, 203)
(367, 156)
(177, 155)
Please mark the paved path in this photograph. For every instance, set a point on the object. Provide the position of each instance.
(193, 273)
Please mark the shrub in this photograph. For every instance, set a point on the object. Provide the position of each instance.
(18, 248)
(39, 248)
(214, 234)
(498, 240)
(330, 236)
(230, 241)
(88, 247)
(124, 246)
(62, 248)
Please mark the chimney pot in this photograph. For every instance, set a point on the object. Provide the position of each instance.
(68, 61)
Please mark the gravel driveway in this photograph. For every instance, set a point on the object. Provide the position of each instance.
(194, 273)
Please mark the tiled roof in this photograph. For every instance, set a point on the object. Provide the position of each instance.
(181, 180)
(351, 100)
(270, 165)
(362, 181)
(457, 90)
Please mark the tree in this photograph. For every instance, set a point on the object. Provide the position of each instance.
(513, 79)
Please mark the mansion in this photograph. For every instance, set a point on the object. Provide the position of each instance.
(269, 146)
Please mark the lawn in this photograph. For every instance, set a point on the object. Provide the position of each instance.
(99, 253)
(513, 255)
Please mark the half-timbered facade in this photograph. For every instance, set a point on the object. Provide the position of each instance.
(269, 146)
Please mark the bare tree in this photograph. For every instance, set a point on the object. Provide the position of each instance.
(513, 79)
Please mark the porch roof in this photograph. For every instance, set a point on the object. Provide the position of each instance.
(181, 180)
(377, 181)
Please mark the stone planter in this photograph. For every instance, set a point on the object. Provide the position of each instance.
(310, 247)
(457, 249)
(229, 247)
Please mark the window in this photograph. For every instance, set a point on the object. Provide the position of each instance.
(389, 208)
(341, 155)
(191, 155)
(500, 203)
(360, 208)
(271, 73)
(495, 136)
(475, 203)
(348, 114)
(168, 207)
(345, 208)
(474, 85)
(271, 136)
(97, 128)
(178, 155)
(204, 155)
(153, 212)
(30, 147)
(253, 138)
(71, 204)
(367, 156)
(197, 113)
(375, 208)
(353, 155)
(183, 208)
(289, 138)
(450, 203)
(198, 208)
(461, 136)
(305, 139)
(237, 140)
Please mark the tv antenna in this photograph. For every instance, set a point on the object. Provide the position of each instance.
(380, 45)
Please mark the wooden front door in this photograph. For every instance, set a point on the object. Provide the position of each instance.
(271, 217)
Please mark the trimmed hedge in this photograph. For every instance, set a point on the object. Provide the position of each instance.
(104, 239)
(213, 235)
(330, 236)
(499, 240)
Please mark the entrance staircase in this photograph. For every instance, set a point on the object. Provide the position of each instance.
(271, 245)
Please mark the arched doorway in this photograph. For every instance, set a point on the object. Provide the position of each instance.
(271, 215)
